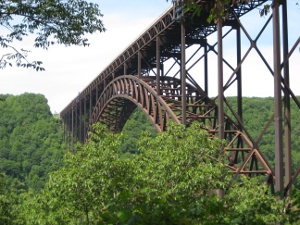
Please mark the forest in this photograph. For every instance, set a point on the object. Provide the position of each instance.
(135, 177)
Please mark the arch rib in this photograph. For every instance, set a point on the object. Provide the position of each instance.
(121, 93)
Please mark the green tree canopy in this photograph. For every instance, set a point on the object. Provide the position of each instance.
(31, 140)
(218, 8)
(51, 21)
(174, 180)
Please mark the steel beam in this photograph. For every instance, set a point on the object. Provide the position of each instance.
(72, 134)
(84, 120)
(239, 74)
(206, 67)
(287, 107)
(183, 75)
(80, 120)
(220, 81)
(139, 64)
(158, 53)
(125, 69)
(279, 173)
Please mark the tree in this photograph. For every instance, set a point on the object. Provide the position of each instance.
(217, 8)
(8, 201)
(135, 126)
(173, 180)
(31, 140)
(51, 21)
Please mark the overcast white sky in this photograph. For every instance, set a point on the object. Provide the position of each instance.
(70, 69)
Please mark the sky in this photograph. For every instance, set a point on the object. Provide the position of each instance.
(70, 69)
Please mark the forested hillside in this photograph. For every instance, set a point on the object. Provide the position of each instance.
(31, 140)
(171, 181)
(164, 183)
(256, 114)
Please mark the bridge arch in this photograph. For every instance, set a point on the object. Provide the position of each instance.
(122, 95)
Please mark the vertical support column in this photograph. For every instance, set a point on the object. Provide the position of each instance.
(80, 120)
(97, 93)
(205, 68)
(125, 69)
(84, 121)
(158, 65)
(69, 128)
(75, 135)
(183, 75)
(239, 74)
(139, 63)
(277, 102)
(72, 132)
(220, 81)
(220, 87)
(91, 108)
(104, 82)
(102, 88)
(64, 121)
(64, 118)
(287, 104)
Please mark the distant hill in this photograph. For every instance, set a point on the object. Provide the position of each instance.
(31, 140)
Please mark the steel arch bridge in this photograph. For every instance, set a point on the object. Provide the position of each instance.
(159, 73)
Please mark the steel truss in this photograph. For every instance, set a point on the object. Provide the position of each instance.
(150, 75)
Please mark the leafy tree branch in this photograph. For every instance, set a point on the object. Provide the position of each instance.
(51, 21)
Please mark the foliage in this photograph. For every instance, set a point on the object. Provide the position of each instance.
(8, 201)
(217, 9)
(135, 126)
(51, 21)
(31, 140)
(249, 203)
(173, 180)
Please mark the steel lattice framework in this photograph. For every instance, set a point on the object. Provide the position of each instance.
(155, 75)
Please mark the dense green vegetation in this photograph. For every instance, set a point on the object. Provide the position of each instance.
(137, 124)
(172, 178)
(31, 140)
